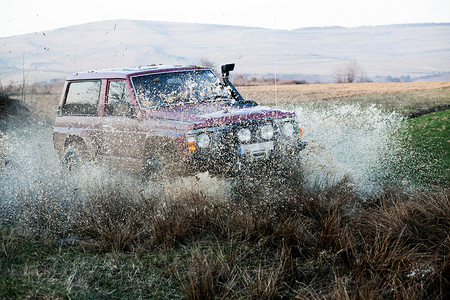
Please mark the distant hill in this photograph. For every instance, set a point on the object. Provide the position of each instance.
(396, 52)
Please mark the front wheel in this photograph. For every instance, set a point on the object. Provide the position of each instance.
(152, 169)
(74, 157)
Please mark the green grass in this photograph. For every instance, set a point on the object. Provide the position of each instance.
(424, 156)
(430, 138)
(38, 269)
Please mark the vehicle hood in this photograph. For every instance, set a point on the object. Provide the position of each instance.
(220, 113)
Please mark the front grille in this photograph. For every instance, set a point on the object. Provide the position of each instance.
(254, 127)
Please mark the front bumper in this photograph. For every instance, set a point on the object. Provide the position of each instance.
(227, 154)
(233, 159)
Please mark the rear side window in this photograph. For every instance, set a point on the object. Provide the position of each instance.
(118, 98)
(82, 98)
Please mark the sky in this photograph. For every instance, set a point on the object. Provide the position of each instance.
(29, 16)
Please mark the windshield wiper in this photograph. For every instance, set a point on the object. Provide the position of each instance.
(220, 97)
(180, 102)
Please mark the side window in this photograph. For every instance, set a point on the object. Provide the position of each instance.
(82, 98)
(119, 103)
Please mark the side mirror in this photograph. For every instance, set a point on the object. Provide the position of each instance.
(226, 69)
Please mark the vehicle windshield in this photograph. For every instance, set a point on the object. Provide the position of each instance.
(178, 87)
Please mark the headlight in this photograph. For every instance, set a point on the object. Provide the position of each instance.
(288, 129)
(203, 140)
(244, 135)
(267, 132)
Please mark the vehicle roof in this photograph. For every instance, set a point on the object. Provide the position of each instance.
(131, 71)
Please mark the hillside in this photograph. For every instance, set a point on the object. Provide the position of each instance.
(420, 51)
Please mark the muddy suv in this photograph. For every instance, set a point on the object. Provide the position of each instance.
(169, 119)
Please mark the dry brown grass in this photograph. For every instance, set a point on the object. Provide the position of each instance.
(290, 94)
(44, 106)
(327, 244)
(41, 99)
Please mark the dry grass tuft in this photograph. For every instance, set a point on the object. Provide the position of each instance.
(324, 244)
(401, 246)
(112, 221)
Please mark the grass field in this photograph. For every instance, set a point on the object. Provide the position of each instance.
(427, 136)
(404, 97)
(334, 91)
(121, 242)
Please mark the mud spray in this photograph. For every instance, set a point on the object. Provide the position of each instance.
(348, 140)
(344, 141)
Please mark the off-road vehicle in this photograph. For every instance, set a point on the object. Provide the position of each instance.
(169, 119)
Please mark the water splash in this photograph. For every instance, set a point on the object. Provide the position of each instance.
(344, 140)
(347, 140)
(36, 189)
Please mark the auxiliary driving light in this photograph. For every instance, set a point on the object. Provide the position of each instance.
(267, 132)
(244, 135)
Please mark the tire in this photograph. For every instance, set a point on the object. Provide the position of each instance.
(74, 157)
(152, 169)
(162, 162)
